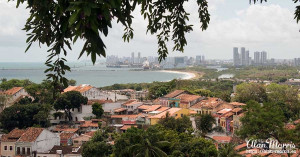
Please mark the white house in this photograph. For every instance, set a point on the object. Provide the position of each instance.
(132, 105)
(14, 94)
(94, 93)
(36, 139)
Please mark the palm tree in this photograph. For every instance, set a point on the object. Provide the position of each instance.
(227, 150)
(146, 149)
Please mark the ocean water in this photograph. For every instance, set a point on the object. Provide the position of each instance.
(85, 73)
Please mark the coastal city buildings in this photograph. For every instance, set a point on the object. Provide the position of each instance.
(151, 62)
(243, 58)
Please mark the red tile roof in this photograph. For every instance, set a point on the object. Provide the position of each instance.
(91, 133)
(237, 109)
(144, 107)
(290, 126)
(222, 139)
(240, 146)
(125, 127)
(65, 136)
(188, 97)
(13, 135)
(208, 103)
(80, 88)
(152, 108)
(89, 123)
(130, 102)
(65, 128)
(174, 94)
(31, 134)
(162, 109)
(120, 109)
(297, 121)
(237, 104)
(124, 116)
(13, 90)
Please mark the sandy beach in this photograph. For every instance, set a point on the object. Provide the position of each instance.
(188, 74)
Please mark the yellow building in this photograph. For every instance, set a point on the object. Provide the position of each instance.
(173, 112)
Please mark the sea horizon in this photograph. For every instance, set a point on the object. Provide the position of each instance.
(85, 73)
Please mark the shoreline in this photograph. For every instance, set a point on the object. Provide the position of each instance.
(189, 75)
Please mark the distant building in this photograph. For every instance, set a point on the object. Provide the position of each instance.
(139, 58)
(236, 57)
(257, 58)
(132, 57)
(243, 56)
(263, 57)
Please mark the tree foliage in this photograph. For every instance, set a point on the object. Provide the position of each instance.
(250, 91)
(204, 123)
(97, 110)
(97, 146)
(261, 121)
(23, 116)
(69, 100)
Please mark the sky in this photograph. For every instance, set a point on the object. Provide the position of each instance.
(267, 27)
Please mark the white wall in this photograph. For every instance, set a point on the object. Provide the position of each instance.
(46, 141)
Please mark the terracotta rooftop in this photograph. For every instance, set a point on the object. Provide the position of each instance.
(237, 109)
(65, 136)
(91, 133)
(144, 107)
(31, 134)
(188, 97)
(99, 101)
(290, 126)
(238, 147)
(130, 102)
(162, 109)
(66, 150)
(222, 139)
(123, 116)
(163, 114)
(89, 123)
(13, 90)
(13, 135)
(237, 104)
(297, 121)
(81, 88)
(152, 108)
(193, 112)
(228, 114)
(120, 109)
(208, 103)
(125, 127)
(174, 94)
(225, 110)
(65, 128)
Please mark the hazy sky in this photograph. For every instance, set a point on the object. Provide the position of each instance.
(270, 27)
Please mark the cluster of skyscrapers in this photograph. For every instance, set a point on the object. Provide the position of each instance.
(242, 58)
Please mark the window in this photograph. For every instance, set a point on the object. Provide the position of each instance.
(181, 115)
(10, 147)
(28, 151)
(5, 147)
(18, 150)
(79, 109)
(175, 115)
(23, 150)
